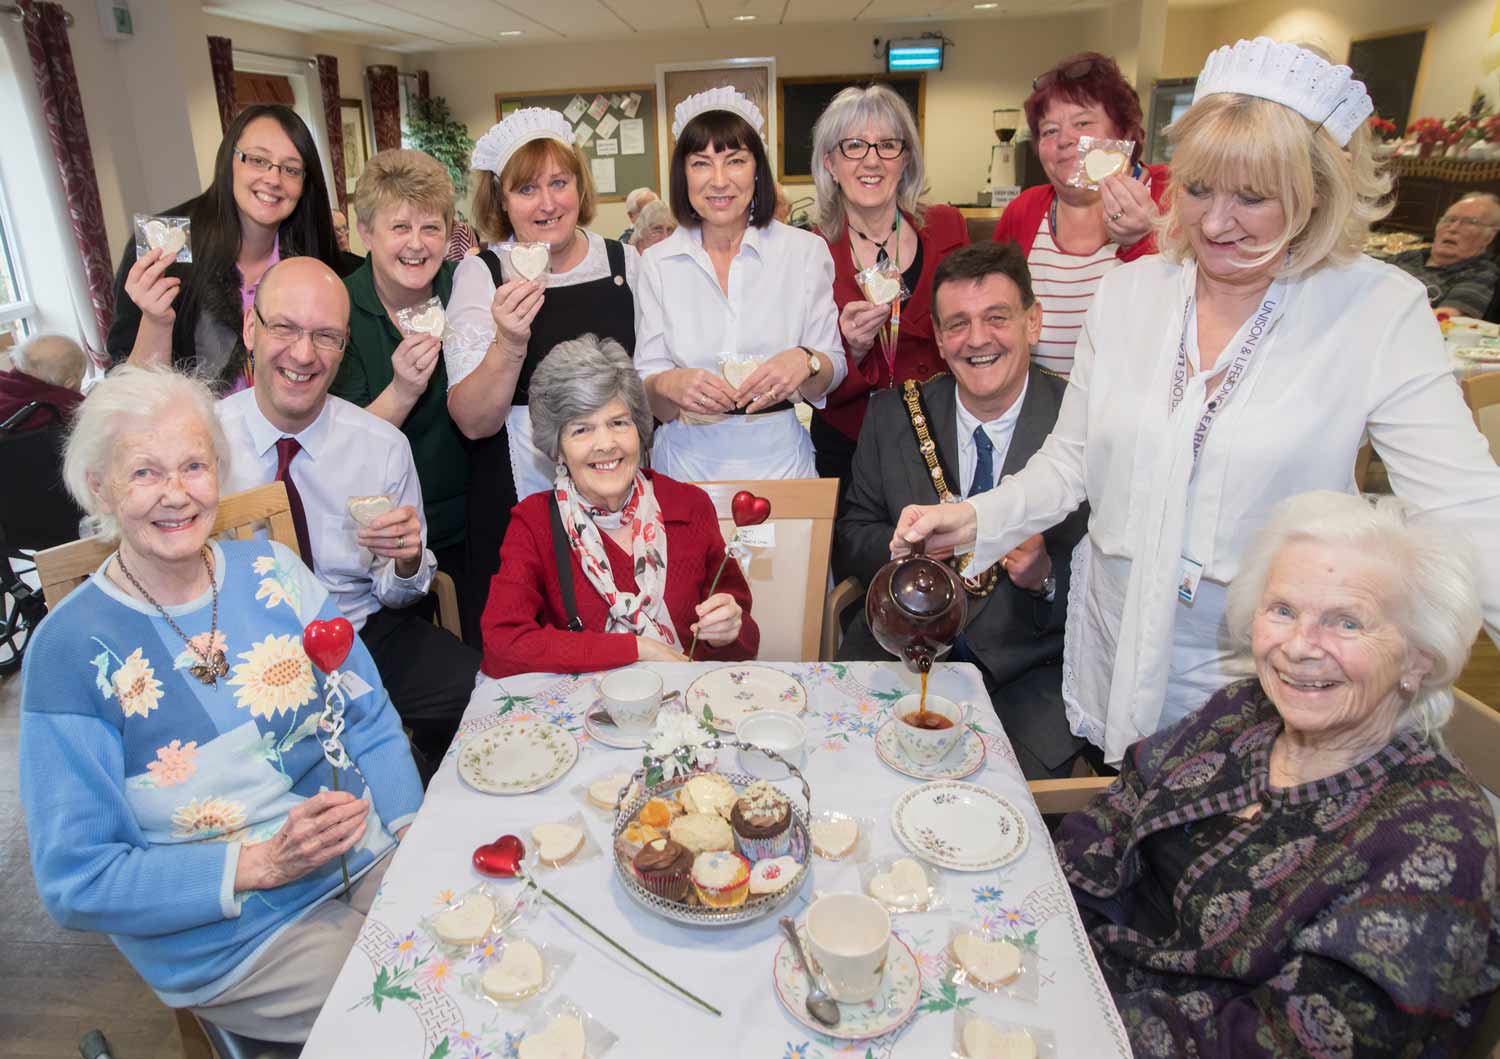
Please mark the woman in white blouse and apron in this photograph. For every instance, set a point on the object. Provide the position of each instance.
(733, 293)
(1245, 364)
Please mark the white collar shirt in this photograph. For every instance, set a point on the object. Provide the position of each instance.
(1000, 431)
(346, 452)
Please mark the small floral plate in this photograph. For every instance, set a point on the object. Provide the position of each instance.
(965, 759)
(962, 826)
(892, 1006)
(516, 757)
(733, 691)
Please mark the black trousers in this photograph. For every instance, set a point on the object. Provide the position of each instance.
(428, 673)
(1030, 709)
(454, 561)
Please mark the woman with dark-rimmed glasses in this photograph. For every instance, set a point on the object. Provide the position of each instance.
(870, 176)
(1073, 237)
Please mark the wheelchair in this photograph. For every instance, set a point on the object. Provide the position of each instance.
(36, 513)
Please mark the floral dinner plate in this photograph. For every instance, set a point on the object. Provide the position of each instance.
(892, 1006)
(516, 757)
(733, 691)
(962, 826)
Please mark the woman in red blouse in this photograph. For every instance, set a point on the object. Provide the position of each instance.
(870, 177)
(638, 550)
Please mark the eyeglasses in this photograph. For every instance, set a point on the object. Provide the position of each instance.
(856, 149)
(1466, 222)
(327, 341)
(1072, 72)
(261, 164)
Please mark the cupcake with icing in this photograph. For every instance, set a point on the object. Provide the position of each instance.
(721, 880)
(664, 868)
(761, 819)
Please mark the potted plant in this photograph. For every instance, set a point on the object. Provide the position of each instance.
(1384, 133)
(432, 128)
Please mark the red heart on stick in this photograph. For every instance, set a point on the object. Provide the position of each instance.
(500, 858)
(327, 643)
(749, 509)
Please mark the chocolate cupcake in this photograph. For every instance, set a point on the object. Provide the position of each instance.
(664, 867)
(762, 818)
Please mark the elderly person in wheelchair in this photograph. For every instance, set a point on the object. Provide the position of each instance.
(172, 770)
(612, 565)
(1301, 867)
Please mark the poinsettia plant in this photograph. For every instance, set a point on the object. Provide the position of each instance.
(1489, 129)
(1382, 128)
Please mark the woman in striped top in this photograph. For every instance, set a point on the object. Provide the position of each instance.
(1071, 236)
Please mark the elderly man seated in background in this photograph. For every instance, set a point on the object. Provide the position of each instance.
(47, 370)
(355, 496)
(1460, 270)
(634, 203)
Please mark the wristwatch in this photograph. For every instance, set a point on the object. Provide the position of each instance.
(814, 365)
(1048, 592)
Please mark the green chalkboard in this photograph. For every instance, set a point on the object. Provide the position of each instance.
(629, 171)
(800, 100)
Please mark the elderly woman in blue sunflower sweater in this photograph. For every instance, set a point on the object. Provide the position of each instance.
(176, 792)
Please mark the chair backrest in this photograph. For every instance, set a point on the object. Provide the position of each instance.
(1472, 734)
(67, 566)
(37, 511)
(1482, 394)
(788, 582)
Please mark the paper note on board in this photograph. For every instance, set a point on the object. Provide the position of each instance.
(604, 148)
(607, 126)
(633, 136)
(582, 134)
(599, 106)
(631, 105)
(575, 108)
(604, 175)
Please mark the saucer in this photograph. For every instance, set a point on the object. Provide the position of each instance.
(608, 735)
(965, 759)
(892, 1006)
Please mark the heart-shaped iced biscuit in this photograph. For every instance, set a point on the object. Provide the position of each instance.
(605, 792)
(467, 922)
(562, 1039)
(882, 288)
(1099, 163)
(904, 886)
(519, 973)
(163, 236)
(530, 260)
(556, 843)
(981, 1040)
(834, 839)
(737, 369)
(366, 509)
(990, 962)
(430, 321)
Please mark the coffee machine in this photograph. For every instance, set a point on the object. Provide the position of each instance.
(1004, 181)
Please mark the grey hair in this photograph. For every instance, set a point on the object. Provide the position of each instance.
(855, 108)
(52, 358)
(130, 393)
(633, 200)
(1433, 599)
(1488, 197)
(578, 378)
(652, 212)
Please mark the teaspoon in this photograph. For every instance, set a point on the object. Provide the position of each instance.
(820, 1005)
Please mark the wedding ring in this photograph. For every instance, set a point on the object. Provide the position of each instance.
(400, 542)
(1117, 215)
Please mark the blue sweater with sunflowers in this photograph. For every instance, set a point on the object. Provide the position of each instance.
(141, 784)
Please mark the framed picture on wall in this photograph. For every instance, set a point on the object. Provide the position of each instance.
(356, 141)
(756, 78)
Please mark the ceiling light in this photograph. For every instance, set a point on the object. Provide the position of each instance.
(511, 32)
(744, 18)
(985, 7)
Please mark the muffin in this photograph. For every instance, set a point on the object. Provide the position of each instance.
(762, 819)
(664, 867)
(722, 880)
(635, 836)
(659, 813)
(703, 832)
(708, 793)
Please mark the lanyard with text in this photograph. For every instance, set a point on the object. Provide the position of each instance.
(1248, 339)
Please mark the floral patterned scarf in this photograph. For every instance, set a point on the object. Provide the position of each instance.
(643, 612)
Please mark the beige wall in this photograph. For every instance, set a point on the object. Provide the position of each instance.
(992, 65)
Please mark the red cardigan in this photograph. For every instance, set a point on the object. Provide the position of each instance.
(1023, 217)
(917, 356)
(525, 625)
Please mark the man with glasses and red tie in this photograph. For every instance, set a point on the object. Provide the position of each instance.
(1460, 271)
(329, 452)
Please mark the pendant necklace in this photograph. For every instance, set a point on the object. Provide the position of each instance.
(881, 255)
(213, 664)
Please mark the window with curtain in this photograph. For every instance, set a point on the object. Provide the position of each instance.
(16, 307)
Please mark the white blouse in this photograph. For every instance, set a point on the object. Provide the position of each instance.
(1356, 351)
(780, 296)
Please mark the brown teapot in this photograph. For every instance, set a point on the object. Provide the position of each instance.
(916, 607)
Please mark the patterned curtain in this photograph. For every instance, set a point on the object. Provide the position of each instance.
(423, 88)
(46, 29)
(328, 80)
(385, 105)
(221, 60)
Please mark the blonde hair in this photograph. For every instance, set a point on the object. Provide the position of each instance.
(396, 176)
(854, 108)
(528, 163)
(1331, 195)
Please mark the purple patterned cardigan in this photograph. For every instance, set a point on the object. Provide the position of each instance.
(1354, 916)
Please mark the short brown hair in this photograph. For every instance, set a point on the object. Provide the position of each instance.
(978, 260)
(528, 163)
(722, 130)
(395, 176)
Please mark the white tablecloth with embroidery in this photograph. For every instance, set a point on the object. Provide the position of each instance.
(397, 997)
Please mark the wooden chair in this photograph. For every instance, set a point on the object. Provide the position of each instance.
(1481, 393)
(789, 582)
(1472, 735)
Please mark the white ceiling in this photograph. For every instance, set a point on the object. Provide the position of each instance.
(423, 25)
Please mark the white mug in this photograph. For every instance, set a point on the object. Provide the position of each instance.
(849, 936)
(632, 698)
(928, 746)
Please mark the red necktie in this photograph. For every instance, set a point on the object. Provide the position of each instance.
(286, 450)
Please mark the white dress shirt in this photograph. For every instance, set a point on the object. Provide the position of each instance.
(1357, 350)
(345, 452)
(780, 296)
(999, 431)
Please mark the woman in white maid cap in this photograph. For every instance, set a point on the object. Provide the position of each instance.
(1245, 364)
(735, 319)
(541, 280)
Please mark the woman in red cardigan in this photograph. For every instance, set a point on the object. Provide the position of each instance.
(639, 550)
(870, 177)
(1071, 236)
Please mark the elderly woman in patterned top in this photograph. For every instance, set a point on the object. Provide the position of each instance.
(1302, 868)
